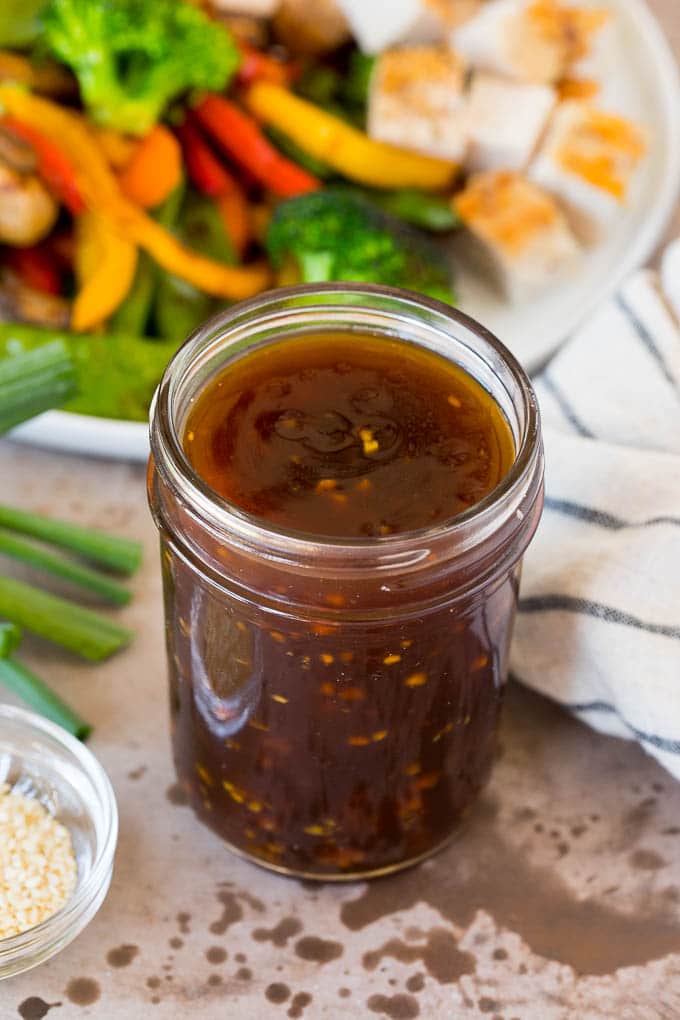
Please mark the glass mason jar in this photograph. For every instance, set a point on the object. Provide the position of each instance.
(335, 702)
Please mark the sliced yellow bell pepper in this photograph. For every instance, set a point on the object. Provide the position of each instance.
(103, 196)
(346, 149)
(105, 267)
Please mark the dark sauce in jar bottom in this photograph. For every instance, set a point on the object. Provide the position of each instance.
(336, 750)
(339, 747)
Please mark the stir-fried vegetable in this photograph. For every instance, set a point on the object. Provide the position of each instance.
(132, 57)
(102, 194)
(35, 268)
(348, 150)
(335, 235)
(179, 306)
(154, 169)
(420, 208)
(163, 185)
(27, 210)
(212, 178)
(241, 138)
(105, 262)
(134, 315)
(52, 165)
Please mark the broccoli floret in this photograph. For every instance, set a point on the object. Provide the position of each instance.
(333, 235)
(131, 57)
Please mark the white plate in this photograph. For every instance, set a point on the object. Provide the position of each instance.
(644, 84)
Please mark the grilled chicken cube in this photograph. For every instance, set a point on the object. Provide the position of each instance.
(515, 230)
(416, 101)
(505, 121)
(532, 40)
(375, 27)
(588, 160)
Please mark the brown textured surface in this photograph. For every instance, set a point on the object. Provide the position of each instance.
(561, 900)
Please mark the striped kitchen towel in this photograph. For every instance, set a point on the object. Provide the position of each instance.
(598, 628)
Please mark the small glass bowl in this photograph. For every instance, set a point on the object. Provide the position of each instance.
(41, 760)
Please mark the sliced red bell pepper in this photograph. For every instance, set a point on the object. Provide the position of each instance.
(205, 170)
(53, 165)
(212, 178)
(35, 268)
(240, 137)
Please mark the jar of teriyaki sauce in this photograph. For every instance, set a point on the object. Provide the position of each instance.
(344, 478)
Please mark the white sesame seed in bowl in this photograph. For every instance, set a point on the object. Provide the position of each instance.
(58, 833)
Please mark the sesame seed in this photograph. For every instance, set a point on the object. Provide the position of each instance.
(416, 680)
(38, 869)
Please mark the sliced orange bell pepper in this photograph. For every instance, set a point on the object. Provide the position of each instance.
(344, 147)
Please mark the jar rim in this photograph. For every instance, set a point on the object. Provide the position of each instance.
(170, 458)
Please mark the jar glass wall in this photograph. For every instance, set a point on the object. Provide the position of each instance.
(335, 702)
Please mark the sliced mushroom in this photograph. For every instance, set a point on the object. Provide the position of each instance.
(27, 210)
(311, 27)
(19, 303)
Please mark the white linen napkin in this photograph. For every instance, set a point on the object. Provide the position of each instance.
(598, 627)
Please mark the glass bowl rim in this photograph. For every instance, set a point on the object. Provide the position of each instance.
(56, 928)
